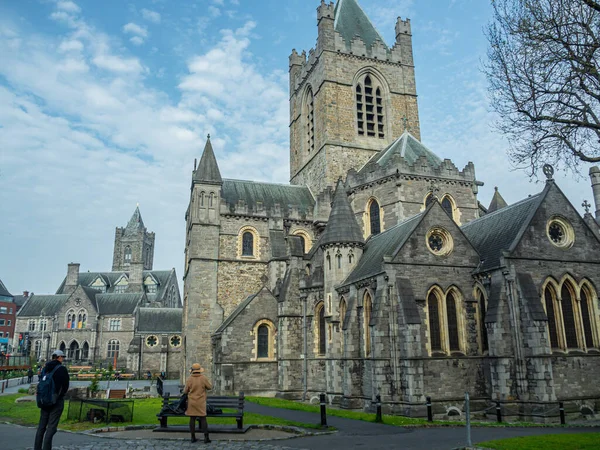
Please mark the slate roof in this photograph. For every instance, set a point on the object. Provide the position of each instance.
(341, 225)
(409, 148)
(19, 300)
(135, 224)
(118, 304)
(208, 169)
(269, 194)
(236, 312)
(351, 21)
(3, 291)
(406, 299)
(380, 245)
(497, 202)
(111, 278)
(50, 304)
(160, 320)
(499, 231)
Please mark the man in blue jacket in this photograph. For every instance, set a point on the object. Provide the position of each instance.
(50, 416)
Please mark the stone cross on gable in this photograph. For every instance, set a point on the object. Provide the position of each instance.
(586, 205)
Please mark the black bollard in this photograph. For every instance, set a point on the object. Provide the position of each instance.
(561, 409)
(498, 413)
(323, 411)
(429, 412)
(378, 417)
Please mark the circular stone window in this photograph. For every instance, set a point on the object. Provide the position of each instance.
(151, 341)
(439, 241)
(175, 341)
(560, 232)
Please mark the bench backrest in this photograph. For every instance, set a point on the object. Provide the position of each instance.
(117, 393)
(217, 402)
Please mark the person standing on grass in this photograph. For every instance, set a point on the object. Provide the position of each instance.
(30, 375)
(195, 388)
(50, 415)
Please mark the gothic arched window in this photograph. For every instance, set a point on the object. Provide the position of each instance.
(127, 254)
(85, 351)
(588, 332)
(338, 257)
(374, 217)
(343, 308)
(369, 108)
(549, 299)
(447, 206)
(310, 121)
(263, 342)
(451, 311)
(247, 244)
(321, 329)
(569, 317)
(367, 310)
(435, 335)
(482, 328)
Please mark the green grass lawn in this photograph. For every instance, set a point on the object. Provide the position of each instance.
(144, 413)
(579, 441)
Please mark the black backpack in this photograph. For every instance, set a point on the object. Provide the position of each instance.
(46, 395)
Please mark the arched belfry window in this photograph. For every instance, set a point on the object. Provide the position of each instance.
(310, 121)
(369, 108)
(247, 244)
(127, 254)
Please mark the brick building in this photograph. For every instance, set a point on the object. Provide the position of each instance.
(8, 311)
(377, 271)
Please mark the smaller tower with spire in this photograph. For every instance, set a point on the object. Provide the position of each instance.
(134, 245)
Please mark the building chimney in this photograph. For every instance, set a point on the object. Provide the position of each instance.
(72, 277)
(26, 294)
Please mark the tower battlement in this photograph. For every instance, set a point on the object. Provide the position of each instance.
(403, 27)
(325, 10)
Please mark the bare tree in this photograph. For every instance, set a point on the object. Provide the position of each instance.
(542, 69)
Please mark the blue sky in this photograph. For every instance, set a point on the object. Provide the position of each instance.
(104, 105)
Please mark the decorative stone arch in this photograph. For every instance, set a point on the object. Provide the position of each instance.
(481, 297)
(248, 239)
(264, 334)
(320, 327)
(372, 217)
(380, 100)
(306, 239)
(308, 120)
(429, 197)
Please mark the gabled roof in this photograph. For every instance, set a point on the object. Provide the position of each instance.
(497, 202)
(50, 304)
(160, 320)
(118, 304)
(409, 148)
(500, 230)
(135, 224)
(208, 169)
(384, 244)
(3, 291)
(351, 21)
(269, 194)
(236, 312)
(341, 225)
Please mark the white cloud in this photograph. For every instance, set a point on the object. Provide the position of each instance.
(151, 16)
(68, 6)
(214, 11)
(70, 45)
(139, 33)
(117, 64)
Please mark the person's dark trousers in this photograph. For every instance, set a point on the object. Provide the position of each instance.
(49, 419)
(204, 428)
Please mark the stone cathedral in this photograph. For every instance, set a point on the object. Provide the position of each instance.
(376, 271)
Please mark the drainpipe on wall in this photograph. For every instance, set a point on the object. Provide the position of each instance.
(304, 349)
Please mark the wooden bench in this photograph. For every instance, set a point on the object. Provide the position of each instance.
(126, 376)
(88, 376)
(79, 368)
(236, 403)
(116, 393)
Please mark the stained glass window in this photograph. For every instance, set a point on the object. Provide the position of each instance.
(263, 341)
(374, 217)
(569, 318)
(434, 323)
(556, 232)
(247, 244)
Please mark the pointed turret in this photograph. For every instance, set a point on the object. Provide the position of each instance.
(207, 171)
(352, 22)
(135, 224)
(497, 202)
(342, 226)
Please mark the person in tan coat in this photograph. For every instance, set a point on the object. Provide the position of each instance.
(195, 387)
